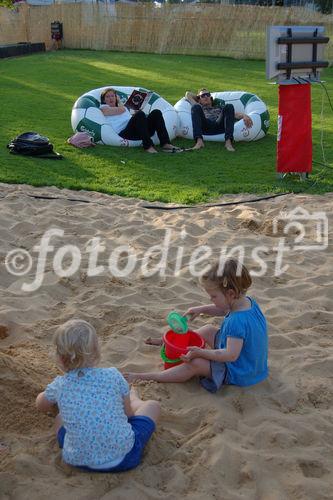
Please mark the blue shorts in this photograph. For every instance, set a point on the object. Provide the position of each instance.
(218, 370)
(218, 376)
(143, 427)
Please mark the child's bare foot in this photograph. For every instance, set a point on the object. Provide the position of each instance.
(229, 146)
(154, 341)
(131, 377)
(151, 150)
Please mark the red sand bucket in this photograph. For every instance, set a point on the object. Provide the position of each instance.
(176, 344)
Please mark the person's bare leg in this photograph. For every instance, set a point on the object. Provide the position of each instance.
(199, 144)
(179, 373)
(208, 333)
(149, 408)
(136, 401)
(228, 146)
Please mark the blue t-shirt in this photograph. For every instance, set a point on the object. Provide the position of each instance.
(250, 326)
(90, 402)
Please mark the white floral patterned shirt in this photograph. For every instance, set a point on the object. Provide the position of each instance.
(90, 401)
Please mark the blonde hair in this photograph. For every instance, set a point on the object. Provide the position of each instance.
(228, 275)
(76, 343)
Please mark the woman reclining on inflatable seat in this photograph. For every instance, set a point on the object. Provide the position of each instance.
(210, 119)
(137, 126)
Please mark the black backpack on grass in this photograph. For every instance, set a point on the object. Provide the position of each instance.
(33, 144)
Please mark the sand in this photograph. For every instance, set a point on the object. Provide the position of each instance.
(273, 441)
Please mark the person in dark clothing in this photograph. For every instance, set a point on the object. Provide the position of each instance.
(138, 126)
(209, 118)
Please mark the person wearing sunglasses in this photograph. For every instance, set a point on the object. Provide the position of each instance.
(210, 118)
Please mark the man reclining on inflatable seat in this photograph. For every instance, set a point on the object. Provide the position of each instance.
(210, 118)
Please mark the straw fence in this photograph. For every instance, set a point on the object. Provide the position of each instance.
(237, 31)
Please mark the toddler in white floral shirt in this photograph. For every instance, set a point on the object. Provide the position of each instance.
(101, 425)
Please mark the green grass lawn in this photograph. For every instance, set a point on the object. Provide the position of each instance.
(38, 91)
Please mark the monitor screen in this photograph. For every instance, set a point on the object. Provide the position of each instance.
(276, 53)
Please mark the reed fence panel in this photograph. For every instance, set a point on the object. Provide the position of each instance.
(237, 31)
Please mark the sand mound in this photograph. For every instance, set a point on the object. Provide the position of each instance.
(23, 371)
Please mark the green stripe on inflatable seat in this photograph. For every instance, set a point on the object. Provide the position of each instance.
(264, 121)
(247, 98)
(86, 102)
(122, 96)
(153, 98)
(86, 125)
(254, 98)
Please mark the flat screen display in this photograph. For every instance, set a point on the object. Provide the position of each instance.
(277, 53)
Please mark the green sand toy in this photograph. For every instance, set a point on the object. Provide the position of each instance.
(177, 322)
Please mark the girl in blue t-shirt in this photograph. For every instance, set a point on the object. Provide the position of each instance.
(101, 425)
(238, 349)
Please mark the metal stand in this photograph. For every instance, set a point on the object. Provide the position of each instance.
(303, 176)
